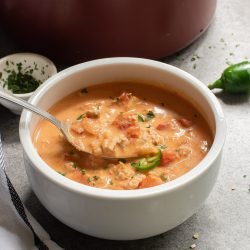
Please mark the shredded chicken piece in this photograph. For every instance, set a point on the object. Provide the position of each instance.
(122, 171)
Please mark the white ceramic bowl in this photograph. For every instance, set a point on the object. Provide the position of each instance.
(116, 214)
(43, 68)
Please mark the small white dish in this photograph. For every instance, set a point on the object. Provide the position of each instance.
(43, 68)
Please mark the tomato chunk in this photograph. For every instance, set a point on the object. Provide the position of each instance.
(185, 122)
(124, 97)
(167, 157)
(123, 121)
(162, 126)
(150, 181)
(133, 132)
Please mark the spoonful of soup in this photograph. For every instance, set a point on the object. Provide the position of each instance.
(103, 139)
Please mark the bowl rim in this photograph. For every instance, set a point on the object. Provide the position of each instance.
(180, 182)
(35, 55)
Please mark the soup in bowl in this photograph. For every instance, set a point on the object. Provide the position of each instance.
(165, 134)
(168, 120)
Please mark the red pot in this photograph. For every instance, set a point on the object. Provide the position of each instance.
(79, 30)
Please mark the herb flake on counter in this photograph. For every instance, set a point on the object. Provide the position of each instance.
(196, 236)
(193, 246)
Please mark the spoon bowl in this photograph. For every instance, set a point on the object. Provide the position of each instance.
(64, 127)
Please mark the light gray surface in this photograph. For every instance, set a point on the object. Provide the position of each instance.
(223, 222)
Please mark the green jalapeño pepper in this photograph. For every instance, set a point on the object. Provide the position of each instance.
(148, 163)
(235, 79)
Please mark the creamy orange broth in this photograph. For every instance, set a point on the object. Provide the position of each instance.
(124, 117)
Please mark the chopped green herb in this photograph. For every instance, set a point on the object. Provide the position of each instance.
(150, 115)
(222, 40)
(80, 117)
(194, 66)
(90, 179)
(35, 64)
(1, 75)
(193, 59)
(163, 177)
(63, 174)
(74, 164)
(96, 177)
(244, 176)
(84, 91)
(231, 54)
(162, 147)
(22, 81)
(83, 171)
(110, 182)
(140, 118)
(116, 99)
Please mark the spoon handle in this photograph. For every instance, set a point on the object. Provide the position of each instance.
(30, 107)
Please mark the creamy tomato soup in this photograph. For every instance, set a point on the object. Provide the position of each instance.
(165, 132)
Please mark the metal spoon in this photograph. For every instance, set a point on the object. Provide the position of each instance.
(63, 127)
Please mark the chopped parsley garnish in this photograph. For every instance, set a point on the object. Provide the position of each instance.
(74, 164)
(162, 147)
(110, 182)
(163, 177)
(115, 99)
(140, 118)
(22, 81)
(150, 115)
(90, 179)
(85, 91)
(63, 174)
(83, 171)
(80, 117)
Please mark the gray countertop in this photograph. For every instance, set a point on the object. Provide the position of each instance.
(223, 222)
